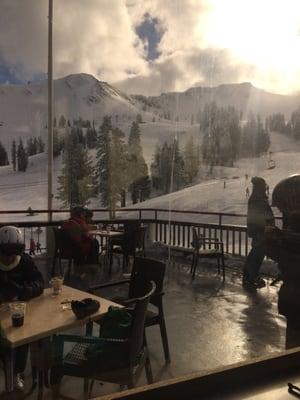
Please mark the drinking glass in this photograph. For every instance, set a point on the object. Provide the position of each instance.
(56, 282)
(17, 311)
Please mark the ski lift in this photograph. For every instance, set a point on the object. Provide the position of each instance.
(271, 164)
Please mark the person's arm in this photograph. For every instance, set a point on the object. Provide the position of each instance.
(33, 285)
(8, 290)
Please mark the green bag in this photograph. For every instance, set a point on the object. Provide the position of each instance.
(116, 323)
(114, 332)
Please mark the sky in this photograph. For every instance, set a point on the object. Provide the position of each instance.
(153, 46)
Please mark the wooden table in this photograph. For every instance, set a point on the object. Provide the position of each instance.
(108, 235)
(45, 317)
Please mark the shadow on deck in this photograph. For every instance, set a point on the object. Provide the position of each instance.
(210, 323)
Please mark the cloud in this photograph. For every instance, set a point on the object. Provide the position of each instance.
(92, 36)
(205, 42)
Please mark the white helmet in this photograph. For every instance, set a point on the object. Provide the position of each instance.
(11, 241)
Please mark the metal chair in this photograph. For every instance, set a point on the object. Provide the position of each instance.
(123, 361)
(132, 243)
(63, 250)
(199, 244)
(143, 271)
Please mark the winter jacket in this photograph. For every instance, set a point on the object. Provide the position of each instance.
(283, 246)
(259, 214)
(77, 231)
(23, 282)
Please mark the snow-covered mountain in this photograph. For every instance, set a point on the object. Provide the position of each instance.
(244, 97)
(23, 108)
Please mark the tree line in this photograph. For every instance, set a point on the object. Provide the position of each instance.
(20, 153)
(290, 127)
(226, 138)
(119, 168)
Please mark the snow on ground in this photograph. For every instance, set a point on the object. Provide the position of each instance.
(211, 195)
(20, 190)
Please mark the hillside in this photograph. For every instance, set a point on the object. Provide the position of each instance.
(23, 108)
(211, 195)
(21, 190)
(244, 97)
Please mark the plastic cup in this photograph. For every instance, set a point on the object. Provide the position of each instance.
(17, 311)
(57, 282)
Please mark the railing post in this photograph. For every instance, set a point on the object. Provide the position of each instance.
(220, 226)
(140, 214)
(156, 227)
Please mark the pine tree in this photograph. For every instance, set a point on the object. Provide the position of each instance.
(3, 156)
(30, 147)
(119, 179)
(177, 167)
(57, 143)
(40, 145)
(62, 122)
(155, 168)
(77, 183)
(103, 161)
(14, 155)
(138, 169)
(91, 138)
(191, 159)
(139, 119)
(35, 146)
(22, 157)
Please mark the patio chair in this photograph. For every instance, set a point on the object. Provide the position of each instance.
(143, 271)
(199, 244)
(123, 361)
(132, 243)
(63, 250)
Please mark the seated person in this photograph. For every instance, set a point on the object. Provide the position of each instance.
(86, 249)
(19, 279)
(89, 218)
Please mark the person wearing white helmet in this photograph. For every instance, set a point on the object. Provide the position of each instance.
(19, 280)
(259, 216)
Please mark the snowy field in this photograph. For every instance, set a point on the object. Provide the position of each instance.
(21, 190)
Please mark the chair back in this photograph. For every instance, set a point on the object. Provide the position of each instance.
(197, 242)
(136, 339)
(132, 235)
(63, 245)
(140, 237)
(145, 270)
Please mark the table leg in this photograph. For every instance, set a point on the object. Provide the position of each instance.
(9, 370)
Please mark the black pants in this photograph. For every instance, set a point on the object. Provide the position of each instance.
(21, 354)
(91, 258)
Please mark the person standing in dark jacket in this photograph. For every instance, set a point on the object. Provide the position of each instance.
(19, 280)
(259, 216)
(283, 246)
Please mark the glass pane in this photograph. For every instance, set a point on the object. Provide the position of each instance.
(178, 116)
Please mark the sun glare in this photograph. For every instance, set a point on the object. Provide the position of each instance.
(262, 33)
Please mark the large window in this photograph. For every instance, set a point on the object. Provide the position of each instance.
(170, 107)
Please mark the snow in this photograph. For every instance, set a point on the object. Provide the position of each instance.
(23, 112)
(211, 195)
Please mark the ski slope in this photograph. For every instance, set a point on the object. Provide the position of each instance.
(20, 190)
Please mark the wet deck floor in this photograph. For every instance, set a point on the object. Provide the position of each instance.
(209, 323)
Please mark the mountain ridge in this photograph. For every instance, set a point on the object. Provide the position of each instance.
(23, 108)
